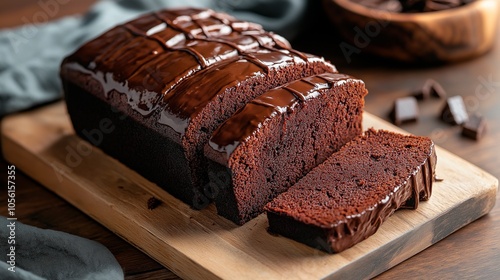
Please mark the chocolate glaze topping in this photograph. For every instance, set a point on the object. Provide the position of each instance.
(280, 100)
(148, 57)
(190, 97)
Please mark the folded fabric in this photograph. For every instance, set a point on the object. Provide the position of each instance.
(47, 254)
(30, 55)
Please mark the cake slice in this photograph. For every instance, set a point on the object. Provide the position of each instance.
(278, 137)
(150, 92)
(346, 199)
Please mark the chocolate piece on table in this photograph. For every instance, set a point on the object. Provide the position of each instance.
(153, 202)
(405, 110)
(475, 127)
(431, 88)
(454, 111)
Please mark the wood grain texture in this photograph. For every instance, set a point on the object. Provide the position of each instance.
(433, 37)
(197, 244)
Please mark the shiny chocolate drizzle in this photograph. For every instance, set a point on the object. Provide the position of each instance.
(148, 57)
(249, 119)
(189, 98)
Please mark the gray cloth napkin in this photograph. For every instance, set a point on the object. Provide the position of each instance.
(30, 55)
(48, 254)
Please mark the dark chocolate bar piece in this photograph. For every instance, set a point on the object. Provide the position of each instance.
(475, 127)
(405, 110)
(454, 111)
(431, 88)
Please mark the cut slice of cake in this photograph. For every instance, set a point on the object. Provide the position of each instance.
(278, 137)
(346, 199)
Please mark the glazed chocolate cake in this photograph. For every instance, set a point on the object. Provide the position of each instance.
(278, 137)
(151, 91)
(345, 199)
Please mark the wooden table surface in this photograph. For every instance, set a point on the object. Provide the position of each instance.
(470, 253)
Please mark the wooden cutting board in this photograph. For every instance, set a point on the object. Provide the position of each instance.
(201, 245)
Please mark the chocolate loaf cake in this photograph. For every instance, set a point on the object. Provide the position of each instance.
(151, 91)
(345, 199)
(278, 137)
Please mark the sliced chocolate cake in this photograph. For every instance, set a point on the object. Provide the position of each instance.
(278, 137)
(345, 199)
(150, 92)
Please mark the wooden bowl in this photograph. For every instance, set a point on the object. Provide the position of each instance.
(432, 37)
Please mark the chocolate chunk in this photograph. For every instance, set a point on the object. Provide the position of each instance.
(454, 111)
(475, 127)
(405, 110)
(153, 202)
(439, 5)
(431, 88)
